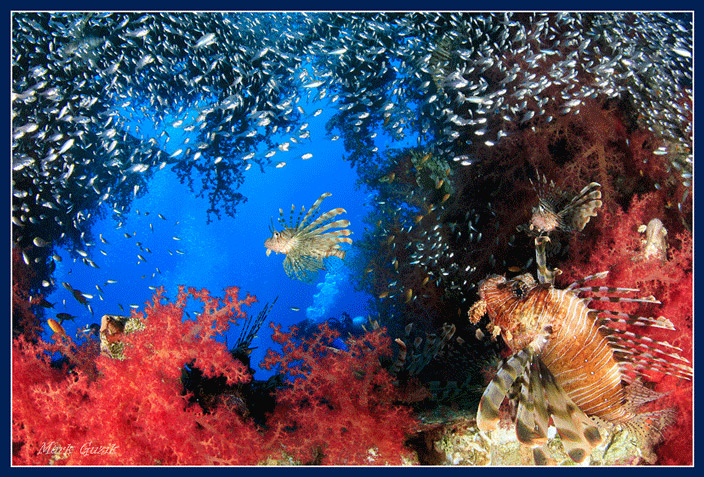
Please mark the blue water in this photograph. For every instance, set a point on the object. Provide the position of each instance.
(227, 252)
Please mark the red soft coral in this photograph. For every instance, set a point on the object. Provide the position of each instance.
(613, 243)
(133, 411)
(340, 406)
(23, 319)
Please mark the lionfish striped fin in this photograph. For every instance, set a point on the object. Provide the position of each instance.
(290, 215)
(581, 208)
(532, 416)
(336, 224)
(605, 290)
(586, 279)
(322, 219)
(303, 268)
(545, 275)
(334, 253)
(281, 219)
(540, 457)
(315, 206)
(298, 219)
(637, 353)
(337, 233)
(495, 392)
(588, 193)
(608, 317)
(618, 299)
(578, 432)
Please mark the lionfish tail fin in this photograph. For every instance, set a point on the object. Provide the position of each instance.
(647, 427)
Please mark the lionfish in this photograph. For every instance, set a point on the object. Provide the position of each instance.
(576, 364)
(556, 211)
(308, 244)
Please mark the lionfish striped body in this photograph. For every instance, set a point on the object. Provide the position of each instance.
(308, 243)
(576, 364)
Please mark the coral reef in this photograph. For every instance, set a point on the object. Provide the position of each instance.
(132, 411)
(615, 244)
(340, 407)
(173, 395)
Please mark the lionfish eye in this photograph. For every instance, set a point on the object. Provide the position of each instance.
(518, 289)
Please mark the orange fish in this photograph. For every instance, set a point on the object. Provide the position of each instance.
(56, 327)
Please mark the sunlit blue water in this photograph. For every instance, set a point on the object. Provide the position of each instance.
(182, 249)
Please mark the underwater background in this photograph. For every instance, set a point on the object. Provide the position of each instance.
(153, 151)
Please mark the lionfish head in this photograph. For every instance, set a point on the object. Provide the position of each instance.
(275, 242)
(498, 292)
(544, 219)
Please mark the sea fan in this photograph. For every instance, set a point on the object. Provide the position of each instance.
(308, 243)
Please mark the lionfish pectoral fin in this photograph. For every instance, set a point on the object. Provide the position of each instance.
(578, 432)
(301, 268)
(541, 457)
(495, 392)
(582, 207)
(532, 416)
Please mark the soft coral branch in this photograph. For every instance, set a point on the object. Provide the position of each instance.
(340, 407)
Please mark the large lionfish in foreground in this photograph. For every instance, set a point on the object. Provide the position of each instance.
(573, 363)
(308, 243)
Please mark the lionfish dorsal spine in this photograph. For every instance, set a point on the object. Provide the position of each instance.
(298, 219)
(322, 219)
(281, 219)
(338, 223)
(312, 210)
(586, 279)
(607, 317)
(644, 353)
(576, 215)
(590, 192)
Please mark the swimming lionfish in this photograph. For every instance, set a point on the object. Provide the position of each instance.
(574, 363)
(307, 244)
(556, 211)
